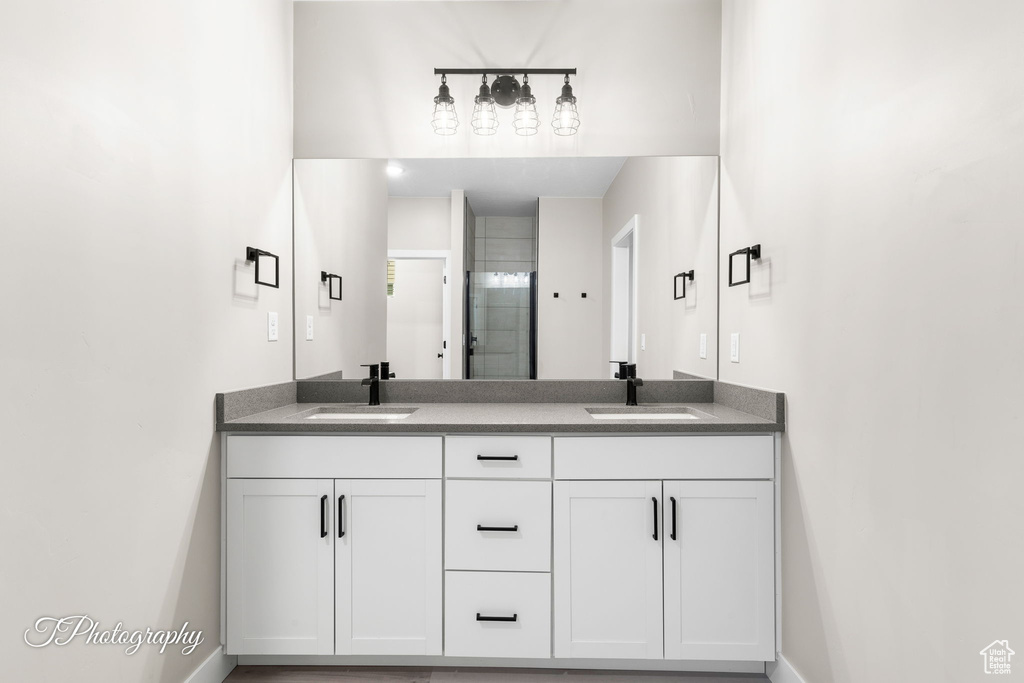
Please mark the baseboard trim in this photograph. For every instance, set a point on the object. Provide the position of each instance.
(214, 668)
(504, 663)
(781, 671)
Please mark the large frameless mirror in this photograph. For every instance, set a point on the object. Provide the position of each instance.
(507, 268)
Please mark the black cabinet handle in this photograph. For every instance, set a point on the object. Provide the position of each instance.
(497, 457)
(673, 517)
(480, 617)
(480, 527)
(655, 501)
(323, 516)
(341, 516)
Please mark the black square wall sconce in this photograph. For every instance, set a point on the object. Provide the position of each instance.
(263, 257)
(679, 292)
(330, 279)
(753, 252)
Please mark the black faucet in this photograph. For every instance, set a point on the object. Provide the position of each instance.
(385, 370)
(621, 374)
(632, 382)
(373, 381)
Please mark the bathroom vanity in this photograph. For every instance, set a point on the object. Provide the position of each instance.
(503, 534)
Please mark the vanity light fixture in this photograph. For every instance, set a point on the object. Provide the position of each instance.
(566, 119)
(330, 279)
(753, 252)
(485, 117)
(525, 120)
(505, 92)
(256, 255)
(445, 119)
(688, 275)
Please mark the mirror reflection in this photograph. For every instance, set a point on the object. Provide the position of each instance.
(524, 268)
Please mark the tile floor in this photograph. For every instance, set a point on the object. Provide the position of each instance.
(329, 674)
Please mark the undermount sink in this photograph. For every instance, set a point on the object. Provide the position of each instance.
(358, 413)
(645, 413)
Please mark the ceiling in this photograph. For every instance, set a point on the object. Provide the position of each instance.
(505, 186)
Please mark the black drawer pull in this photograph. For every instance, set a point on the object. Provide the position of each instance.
(480, 617)
(323, 516)
(480, 527)
(655, 501)
(497, 457)
(341, 516)
(673, 499)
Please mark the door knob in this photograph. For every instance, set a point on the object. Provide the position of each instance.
(440, 355)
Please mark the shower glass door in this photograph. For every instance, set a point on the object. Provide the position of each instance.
(502, 325)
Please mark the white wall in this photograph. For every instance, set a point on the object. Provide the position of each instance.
(142, 148)
(341, 226)
(648, 79)
(875, 151)
(676, 199)
(570, 337)
(419, 223)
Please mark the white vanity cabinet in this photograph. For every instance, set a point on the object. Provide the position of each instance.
(280, 567)
(653, 549)
(718, 539)
(319, 564)
(498, 546)
(607, 570)
(678, 565)
(387, 563)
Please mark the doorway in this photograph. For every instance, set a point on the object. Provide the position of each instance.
(501, 297)
(418, 317)
(624, 270)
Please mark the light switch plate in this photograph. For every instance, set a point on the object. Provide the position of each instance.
(309, 328)
(704, 345)
(643, 342)
(272, 326)
(734, 347)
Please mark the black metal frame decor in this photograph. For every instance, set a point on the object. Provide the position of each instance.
(688, 275)
(254, 254)
(329, 278)
(753, 252)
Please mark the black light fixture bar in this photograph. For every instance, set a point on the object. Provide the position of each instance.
(498, 72)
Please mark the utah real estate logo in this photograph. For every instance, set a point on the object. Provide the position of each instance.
(997, 657)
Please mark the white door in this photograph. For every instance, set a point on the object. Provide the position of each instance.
(607, 569)
(388, 563)
(415, 332)
(280, 590)
(719, 570)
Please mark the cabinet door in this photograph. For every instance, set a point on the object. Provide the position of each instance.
(388, 563)
(280, 591)
(607, 570)
(719, 570)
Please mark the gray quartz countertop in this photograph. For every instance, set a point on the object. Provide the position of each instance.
(498, 417)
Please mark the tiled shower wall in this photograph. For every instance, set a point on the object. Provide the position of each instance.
(505, 253)
(505, 245)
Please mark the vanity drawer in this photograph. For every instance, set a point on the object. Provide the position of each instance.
(516, 516)
(333, 457)
(473, 597)
(498, 457)
(749, 456)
